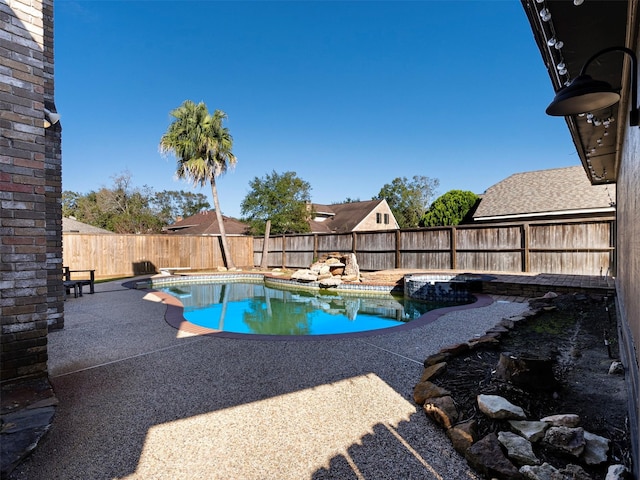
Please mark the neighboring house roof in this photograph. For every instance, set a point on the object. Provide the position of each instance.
(559, 191)
(206, 223)
(71, 225)
(342, 217)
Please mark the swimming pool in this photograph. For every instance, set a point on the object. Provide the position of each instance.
(251, 307)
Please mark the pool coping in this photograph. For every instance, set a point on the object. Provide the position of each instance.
(174, 315)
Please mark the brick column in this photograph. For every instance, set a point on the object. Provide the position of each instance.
(30, 184)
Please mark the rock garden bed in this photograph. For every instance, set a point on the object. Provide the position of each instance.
(557, 363)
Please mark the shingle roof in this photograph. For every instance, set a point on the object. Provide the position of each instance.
(545, 192)
(71, 225)
(206, 223)
(346, 216)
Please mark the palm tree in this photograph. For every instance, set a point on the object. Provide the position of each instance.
(202, 147)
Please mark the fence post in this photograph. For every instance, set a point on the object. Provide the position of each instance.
(397, 237)
(284, 251)
(354, 242)
(454, 247)
(524, 233)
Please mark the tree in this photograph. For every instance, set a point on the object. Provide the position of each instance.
(202, 147)
(281, 198)
(409, 200)
(173, 204)
(450, 209)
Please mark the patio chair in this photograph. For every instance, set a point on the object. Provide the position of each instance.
(78, 283)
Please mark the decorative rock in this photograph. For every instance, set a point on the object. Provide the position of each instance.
(436, 358)
(596, 449)
(540, 472)
(494, 406)
(432, 371)
(616, 472)
(351, 266)
(532, 431)
(456, 349)
(574, 472)
(350, 278)
(565, 439)
(426, 390)
(330, 282)
(616, 368)
(487, 457)
(490, 340)
(442, 410)
(506, 323)
(563, 420)
(304, 275)
(518, 449)
(462, 435)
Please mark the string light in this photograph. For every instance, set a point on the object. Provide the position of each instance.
(554, 44)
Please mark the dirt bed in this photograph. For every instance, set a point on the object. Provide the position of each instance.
(571, 330)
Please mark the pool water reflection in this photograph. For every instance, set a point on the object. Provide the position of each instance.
(254, 308)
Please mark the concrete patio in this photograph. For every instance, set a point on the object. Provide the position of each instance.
(137, 399)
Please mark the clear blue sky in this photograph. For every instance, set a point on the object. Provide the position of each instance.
(349, 95)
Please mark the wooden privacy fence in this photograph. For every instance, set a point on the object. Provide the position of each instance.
(115, 255)
(580, 247)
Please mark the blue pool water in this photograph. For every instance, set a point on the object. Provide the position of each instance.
(254, 308)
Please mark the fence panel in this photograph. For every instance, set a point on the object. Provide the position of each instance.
(126, 255)
(571, 247)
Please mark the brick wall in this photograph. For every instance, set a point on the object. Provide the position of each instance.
(30, 189)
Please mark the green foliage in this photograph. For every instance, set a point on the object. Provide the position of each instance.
(409, 199)
(281, 198)
(123, 208)
(450, 209)
(173, 204)
(201, 145)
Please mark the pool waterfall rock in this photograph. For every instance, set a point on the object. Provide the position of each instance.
(330, 270)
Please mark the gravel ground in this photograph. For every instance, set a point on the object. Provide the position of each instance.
(140, 401)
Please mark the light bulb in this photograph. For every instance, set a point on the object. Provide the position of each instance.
(597, 122)
(561, 66)
(577, 3)
(545, 14)
(551, 42)
(559, 44)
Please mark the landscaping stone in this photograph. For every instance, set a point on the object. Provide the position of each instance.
(596, 449)
(532, 431)
(563, 420)
(436, 358)
(426, 390)
(616, 472)
(443, 410)
(432, 371)
(519, 449)
(486, 456)
(463, 435)
(565, 439)
(540, 472)
(496, 407)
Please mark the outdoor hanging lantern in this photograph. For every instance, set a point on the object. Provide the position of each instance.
(584, 94)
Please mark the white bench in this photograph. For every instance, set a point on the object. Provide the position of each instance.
(172, 270)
